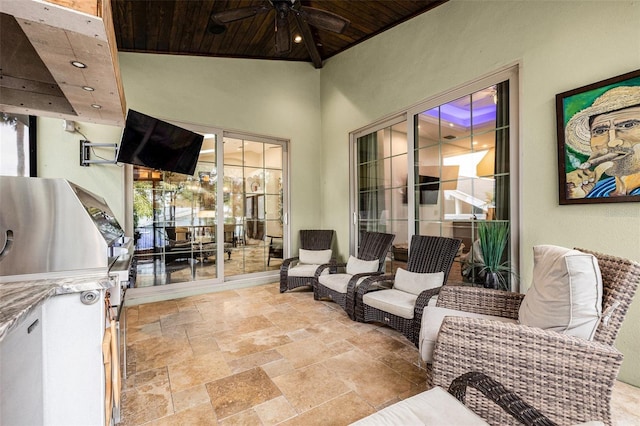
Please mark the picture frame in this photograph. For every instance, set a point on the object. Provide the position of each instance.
(598, 126)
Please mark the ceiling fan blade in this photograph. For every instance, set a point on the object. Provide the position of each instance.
(283, 34)
(309, 42)
(324, 19)
(232, 15)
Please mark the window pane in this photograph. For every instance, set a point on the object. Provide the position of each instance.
(455, 119)
(399, 139)
(483, 109)
(14, 141)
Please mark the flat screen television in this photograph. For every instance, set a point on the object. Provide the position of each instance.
(429, 186)
(156, 144)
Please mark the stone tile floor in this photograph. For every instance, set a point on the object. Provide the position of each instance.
(257, 357)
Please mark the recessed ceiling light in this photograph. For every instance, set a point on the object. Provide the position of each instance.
(78, 64)
(475, 142)
(450, 124)
(88, 88)
(96, 106)
(297, 38)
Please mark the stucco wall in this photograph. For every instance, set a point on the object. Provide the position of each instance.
(559, 45)
(59, 157)
(269, 98)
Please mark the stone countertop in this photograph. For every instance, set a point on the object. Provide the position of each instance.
(19, 298)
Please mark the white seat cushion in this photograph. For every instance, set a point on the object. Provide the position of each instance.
(565, 293)
(317, 257)
(433, 407)
(432, 318)
(396, 302)
(304, 270)
(416, 283)
(338, 282)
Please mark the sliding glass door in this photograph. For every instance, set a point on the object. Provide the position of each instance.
(445, 174)
(224, 221)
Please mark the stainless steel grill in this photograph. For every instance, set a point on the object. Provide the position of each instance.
(52, 225)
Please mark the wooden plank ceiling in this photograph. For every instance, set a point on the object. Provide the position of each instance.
(184, 27)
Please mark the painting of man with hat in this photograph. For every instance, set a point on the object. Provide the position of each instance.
(602, 151)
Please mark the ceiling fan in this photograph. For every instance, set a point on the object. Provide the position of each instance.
(304, 15)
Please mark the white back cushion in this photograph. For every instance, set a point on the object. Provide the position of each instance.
(565, 293)
(314, 257)
(416, 283)
(358, 266)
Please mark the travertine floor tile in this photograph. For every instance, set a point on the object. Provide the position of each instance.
(198, 370)
(305, 352)
(257, 357)
(201, 415)
(275, 411)
(310, 386)
(371, 379)
(342, 410)
(241, 391)
(190, 397)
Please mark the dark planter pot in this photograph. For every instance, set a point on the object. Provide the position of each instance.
(492, 280)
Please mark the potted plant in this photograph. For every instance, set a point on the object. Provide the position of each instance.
(493, 238)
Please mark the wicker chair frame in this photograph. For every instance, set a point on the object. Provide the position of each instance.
(568, 378)
(310, 239)
(373, 246)
(509, 401)
(426, 254)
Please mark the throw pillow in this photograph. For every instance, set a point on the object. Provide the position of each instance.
(358, 266)
(314, 257)
(416, 283)
(565, 293)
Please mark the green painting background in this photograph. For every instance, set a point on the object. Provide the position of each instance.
(576, 103)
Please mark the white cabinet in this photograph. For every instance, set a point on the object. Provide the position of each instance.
(21, 373)
(51, 365)
(74, 380)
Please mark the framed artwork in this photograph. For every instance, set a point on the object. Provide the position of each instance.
(599, 141)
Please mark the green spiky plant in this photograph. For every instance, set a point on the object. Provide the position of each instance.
(494, 237)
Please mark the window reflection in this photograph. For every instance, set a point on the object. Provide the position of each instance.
(18, 143)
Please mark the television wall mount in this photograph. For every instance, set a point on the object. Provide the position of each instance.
(85, 153)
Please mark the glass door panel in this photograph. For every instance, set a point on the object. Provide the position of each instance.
(461, 163)
(382, 163)
(256, 170)
(175, 222)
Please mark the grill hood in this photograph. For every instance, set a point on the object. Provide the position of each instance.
(53, 225)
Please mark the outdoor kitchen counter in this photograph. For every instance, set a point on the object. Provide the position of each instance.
(19, 298)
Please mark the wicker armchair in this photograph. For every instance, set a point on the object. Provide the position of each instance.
(428, 254)
(304, 274)
(339, 285)
(568, 378)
